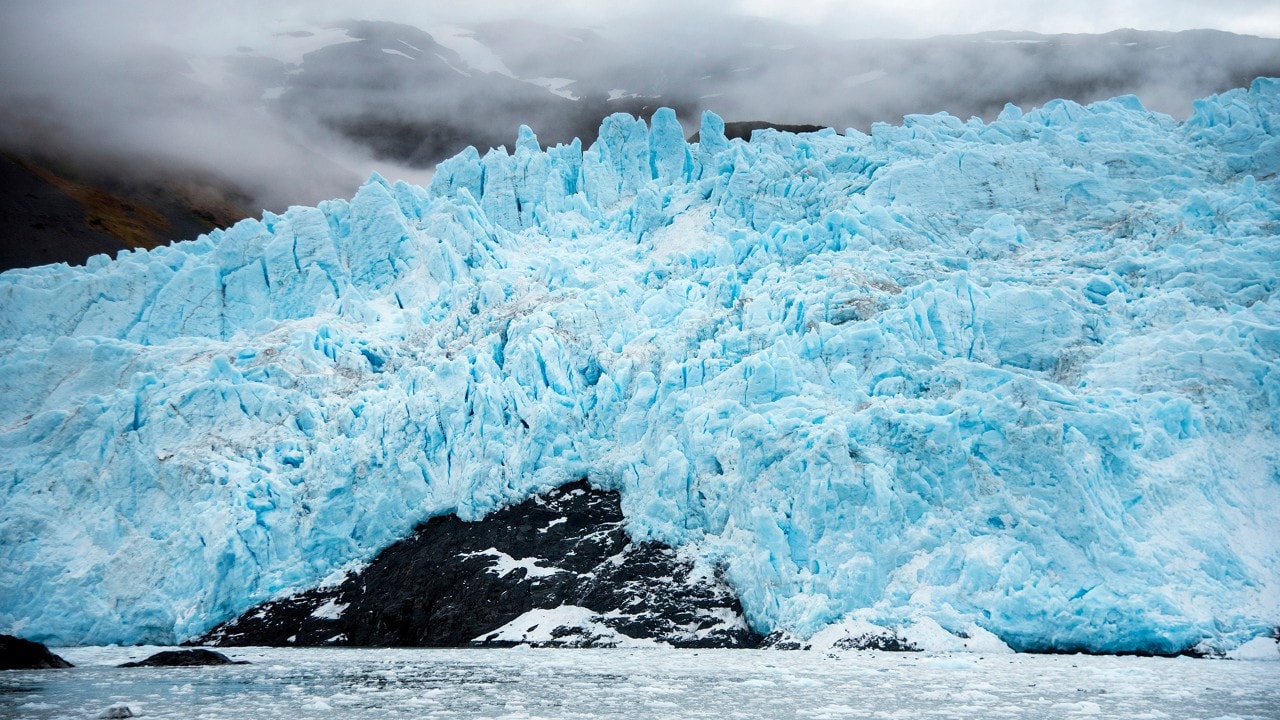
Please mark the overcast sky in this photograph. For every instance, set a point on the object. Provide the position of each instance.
(216, 20)
(892, 18)
(924, 18)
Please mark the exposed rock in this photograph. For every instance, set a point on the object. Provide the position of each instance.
(117, 711)
(844, 637)
(185, 658)
(19, 654)
(562, 563)
(742, 129)
(780, 640)
(888, 642)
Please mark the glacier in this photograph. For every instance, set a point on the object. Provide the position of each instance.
(1016, 377)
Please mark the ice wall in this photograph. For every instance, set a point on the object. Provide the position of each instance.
(1019, 374)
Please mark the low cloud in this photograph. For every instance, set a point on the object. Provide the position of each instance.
(147, 87)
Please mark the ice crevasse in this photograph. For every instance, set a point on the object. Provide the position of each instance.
(1019, 375)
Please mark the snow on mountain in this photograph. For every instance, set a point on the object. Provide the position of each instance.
(475, 53)
(1017, 376)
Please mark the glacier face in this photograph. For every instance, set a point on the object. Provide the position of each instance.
(1020, 376)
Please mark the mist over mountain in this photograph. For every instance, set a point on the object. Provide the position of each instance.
(303, 108)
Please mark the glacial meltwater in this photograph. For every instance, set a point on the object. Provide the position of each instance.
(640, 683)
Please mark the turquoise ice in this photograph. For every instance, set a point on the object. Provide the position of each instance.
(1020, 375)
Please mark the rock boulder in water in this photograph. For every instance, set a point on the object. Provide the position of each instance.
(185, 658)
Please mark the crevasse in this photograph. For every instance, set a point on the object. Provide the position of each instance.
(1020, 374)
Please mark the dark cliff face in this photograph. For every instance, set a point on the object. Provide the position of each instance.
(743, 130)
(455, 583)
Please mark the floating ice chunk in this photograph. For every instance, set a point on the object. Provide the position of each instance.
(926, 634)
(1259, 648)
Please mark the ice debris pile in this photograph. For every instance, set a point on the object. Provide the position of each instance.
(1017, 377)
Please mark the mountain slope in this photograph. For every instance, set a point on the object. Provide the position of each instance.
(47, 217)
(1018, 375)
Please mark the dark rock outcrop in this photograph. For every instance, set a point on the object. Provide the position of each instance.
(885, 640)
(19, 654)
(184, 658)
(742, 130)
(562, 563)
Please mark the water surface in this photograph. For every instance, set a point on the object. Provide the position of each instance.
(297, 684)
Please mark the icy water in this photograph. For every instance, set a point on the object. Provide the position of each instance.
(293, 684)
